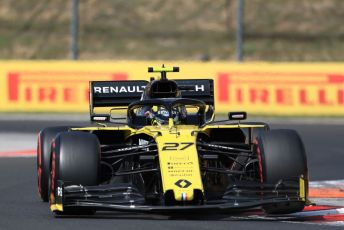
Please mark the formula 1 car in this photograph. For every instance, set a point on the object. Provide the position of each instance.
(170, 155)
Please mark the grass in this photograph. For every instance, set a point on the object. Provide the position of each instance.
(275, 30)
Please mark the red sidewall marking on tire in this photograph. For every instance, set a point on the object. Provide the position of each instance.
(39, 151)
(53, 172)
(39, 171)
(259, 155)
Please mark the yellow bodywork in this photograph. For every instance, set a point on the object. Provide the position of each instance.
(178, 156)
(302, 189)
(179, 164)
(56, 207)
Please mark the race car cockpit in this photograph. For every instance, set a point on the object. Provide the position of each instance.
(162, 111)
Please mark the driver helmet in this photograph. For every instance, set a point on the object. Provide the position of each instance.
(160, 114)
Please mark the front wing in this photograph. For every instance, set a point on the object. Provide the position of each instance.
(126, 198)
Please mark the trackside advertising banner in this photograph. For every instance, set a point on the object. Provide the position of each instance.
(259, 88)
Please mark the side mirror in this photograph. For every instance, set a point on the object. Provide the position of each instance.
(237, 116)
(100, 117)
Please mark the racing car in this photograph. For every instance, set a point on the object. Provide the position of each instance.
(169, 154)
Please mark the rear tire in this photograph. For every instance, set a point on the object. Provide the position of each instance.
(281, 155)
(75, 161)
(45, 138)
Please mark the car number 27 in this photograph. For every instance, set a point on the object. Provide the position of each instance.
(172, 146)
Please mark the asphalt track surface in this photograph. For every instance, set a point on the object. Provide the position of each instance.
(20, 207)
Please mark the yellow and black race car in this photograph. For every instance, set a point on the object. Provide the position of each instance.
(169, 156)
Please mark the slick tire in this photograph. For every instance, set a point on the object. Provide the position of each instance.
(281, 155)
(45, 138)
(75, 161)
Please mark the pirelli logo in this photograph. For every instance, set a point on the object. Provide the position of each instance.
(282, 89)
(54, 87)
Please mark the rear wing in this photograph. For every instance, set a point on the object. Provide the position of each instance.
(200, 89)
(119, 94)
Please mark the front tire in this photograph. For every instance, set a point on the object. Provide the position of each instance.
(281, 155)
(76, 161)
(45, 137)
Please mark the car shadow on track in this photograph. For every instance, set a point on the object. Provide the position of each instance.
(255, 215)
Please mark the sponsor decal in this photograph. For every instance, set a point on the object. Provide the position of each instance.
(59, 191)
(53, 88)
(199, 88)
(280, 89)
(119, 89)
(182, 183)
(131, 148)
